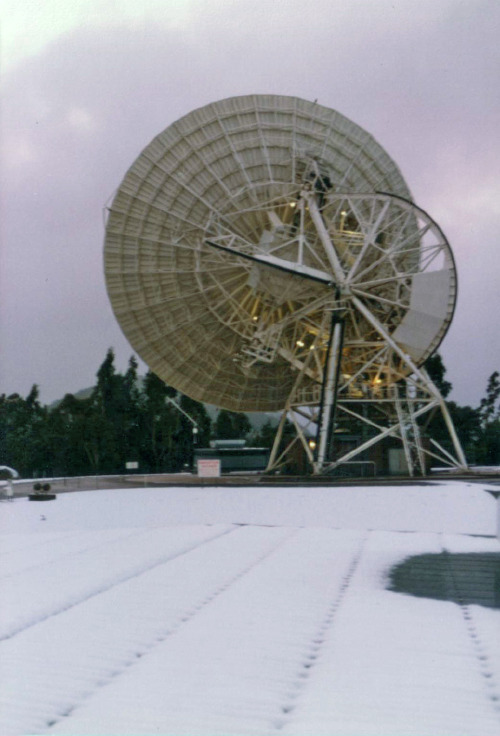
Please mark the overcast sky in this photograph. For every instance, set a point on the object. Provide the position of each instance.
(86, 84)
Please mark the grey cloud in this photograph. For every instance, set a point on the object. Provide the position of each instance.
(422, 81)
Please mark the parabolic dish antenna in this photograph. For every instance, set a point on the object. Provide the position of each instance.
(264, 253)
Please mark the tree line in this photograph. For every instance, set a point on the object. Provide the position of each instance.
(128, 418)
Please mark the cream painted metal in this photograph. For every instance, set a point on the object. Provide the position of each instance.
(242, 228)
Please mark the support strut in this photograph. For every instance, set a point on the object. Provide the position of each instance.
(329, 391)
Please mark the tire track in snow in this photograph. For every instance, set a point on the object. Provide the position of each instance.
(318, 640)
(125, 577)
(194, 610)
(486, 668)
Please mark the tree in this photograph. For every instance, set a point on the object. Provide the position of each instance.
(488, 445)
(223, 426)
(130, 409)
(102, 444)
(465, 419)
(159, 424)
(104, 393)
(64, 445)
(488, 410)
(231, 425)
(125, 418)
(265, 437)
(488, 450)
(467, 425)
(436, 370)
(22, 433)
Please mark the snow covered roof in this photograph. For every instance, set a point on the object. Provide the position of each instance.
(247, 610)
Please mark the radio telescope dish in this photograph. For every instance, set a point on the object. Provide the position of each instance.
(247, 230)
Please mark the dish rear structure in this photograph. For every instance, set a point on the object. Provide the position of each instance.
(264, 253)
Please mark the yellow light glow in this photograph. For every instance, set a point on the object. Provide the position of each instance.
(300, 343)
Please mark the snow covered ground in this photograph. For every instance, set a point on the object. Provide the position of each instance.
(243, 611)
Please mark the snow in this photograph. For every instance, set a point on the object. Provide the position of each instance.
(243, 611)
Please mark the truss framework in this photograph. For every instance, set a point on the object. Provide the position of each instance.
(398, 412)
(263, 252)
(352, 346)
